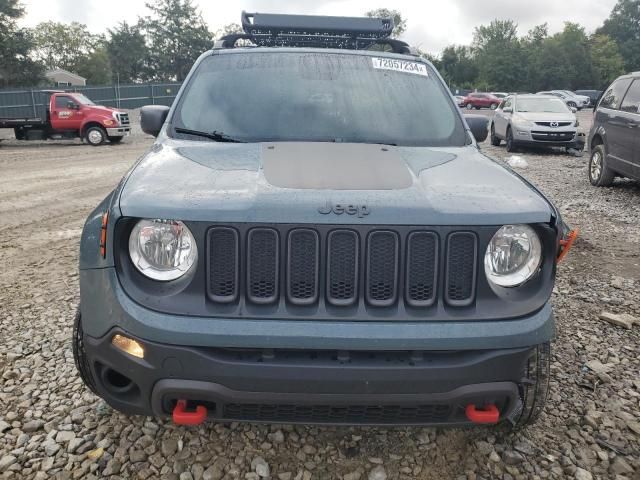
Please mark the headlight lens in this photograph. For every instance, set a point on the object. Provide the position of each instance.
(162, 249)
(513, 255)
(522, 122)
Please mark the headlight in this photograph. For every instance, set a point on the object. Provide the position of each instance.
(513, 256)
(162, 249)
(522, 122)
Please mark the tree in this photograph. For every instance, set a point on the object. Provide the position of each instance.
(499, 56)
(623, 26)
(63, 45)
(127, 51)
(399, 23)
(95, 67)
(458, 66)
(607, 62)
(177, 35)
(16, 45)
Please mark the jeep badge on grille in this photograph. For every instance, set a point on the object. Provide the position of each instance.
(358, 210)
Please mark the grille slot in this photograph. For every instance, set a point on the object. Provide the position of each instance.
(342, 267)
(263, 263)
(380, 414)
(223, 264)
(422, 268)
(462, 254)
(382, 268)
(303, 267)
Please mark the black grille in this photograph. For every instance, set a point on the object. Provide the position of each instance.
(382, 414)
(555, 124)
(303, 267)
(422, 254)
(553, 136)
(382, 268)
(223, 264)
(124, 119)
(324, 266)
(461, 268)
(262, 265)
(342, 274)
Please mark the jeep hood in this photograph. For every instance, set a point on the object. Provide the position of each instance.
(293, 182)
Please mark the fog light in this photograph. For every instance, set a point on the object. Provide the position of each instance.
(128, 345)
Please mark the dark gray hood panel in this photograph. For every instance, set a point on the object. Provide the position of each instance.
(223, 182)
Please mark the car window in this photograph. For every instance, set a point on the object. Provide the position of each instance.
(313, 96)
(63, 101)
(615, 93)
(542, 105)
(631, 101)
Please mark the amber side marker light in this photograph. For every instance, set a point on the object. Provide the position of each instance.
(128, 345)
(103, 235)
(566, 244)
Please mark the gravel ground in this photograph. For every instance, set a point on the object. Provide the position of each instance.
(52, 427)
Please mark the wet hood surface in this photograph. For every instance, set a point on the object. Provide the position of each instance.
(330, 183)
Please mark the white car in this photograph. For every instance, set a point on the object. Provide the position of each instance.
(569, 98)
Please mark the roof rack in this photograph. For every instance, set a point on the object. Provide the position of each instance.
(276, 30)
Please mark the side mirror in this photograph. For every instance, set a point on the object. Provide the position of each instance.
(152, 118)
(479, 126)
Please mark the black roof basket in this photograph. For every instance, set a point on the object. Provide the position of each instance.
(276, 30)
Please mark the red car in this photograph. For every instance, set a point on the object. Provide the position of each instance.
(481, 100)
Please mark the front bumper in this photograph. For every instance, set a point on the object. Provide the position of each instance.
(334, 372)
(118, 131)
(309, 386)
(539, 136)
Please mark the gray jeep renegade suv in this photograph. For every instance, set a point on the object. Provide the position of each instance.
(315, 237)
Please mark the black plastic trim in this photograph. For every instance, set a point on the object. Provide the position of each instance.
(396, 265)
(472, 290)
(342, 302)
(422, 303)
(316, 254)
(276, 267)
(223, 298)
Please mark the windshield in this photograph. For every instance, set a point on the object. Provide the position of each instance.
(547, 105)
(309, 96)
(82, 99)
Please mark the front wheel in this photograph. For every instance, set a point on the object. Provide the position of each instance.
(600, 175)
(469, 106)
(511, 144)
(534, 388)
(572, 105)
(494, 106)
(495, 141)
(115, 140)
(79, 354)
(95, 135)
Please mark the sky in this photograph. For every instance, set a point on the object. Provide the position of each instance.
(431, 24)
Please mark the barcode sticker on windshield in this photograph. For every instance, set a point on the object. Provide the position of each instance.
(400, 66)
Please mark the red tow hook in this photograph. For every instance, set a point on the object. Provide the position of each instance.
(182, 417)
(488, 414)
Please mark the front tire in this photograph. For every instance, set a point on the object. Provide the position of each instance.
(95, 135)
(494, 106)
(511, 144)
(80, 355)
(469, 106)
(495, 141)
(535, 387)
(572, 105)
(600, 175)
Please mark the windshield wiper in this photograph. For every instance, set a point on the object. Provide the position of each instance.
(215, 136)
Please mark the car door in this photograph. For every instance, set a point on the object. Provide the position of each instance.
(617, 129)
(630, 107)
(503, 117)
(63, 115)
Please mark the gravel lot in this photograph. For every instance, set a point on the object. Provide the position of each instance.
(52, 427)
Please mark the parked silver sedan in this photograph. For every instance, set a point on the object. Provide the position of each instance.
(535, 120)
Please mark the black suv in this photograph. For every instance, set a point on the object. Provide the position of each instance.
(614, 139)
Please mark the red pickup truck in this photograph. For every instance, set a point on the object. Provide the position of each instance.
(481, 100)
(64, 115)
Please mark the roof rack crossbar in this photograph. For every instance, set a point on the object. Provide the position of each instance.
(353, 33)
